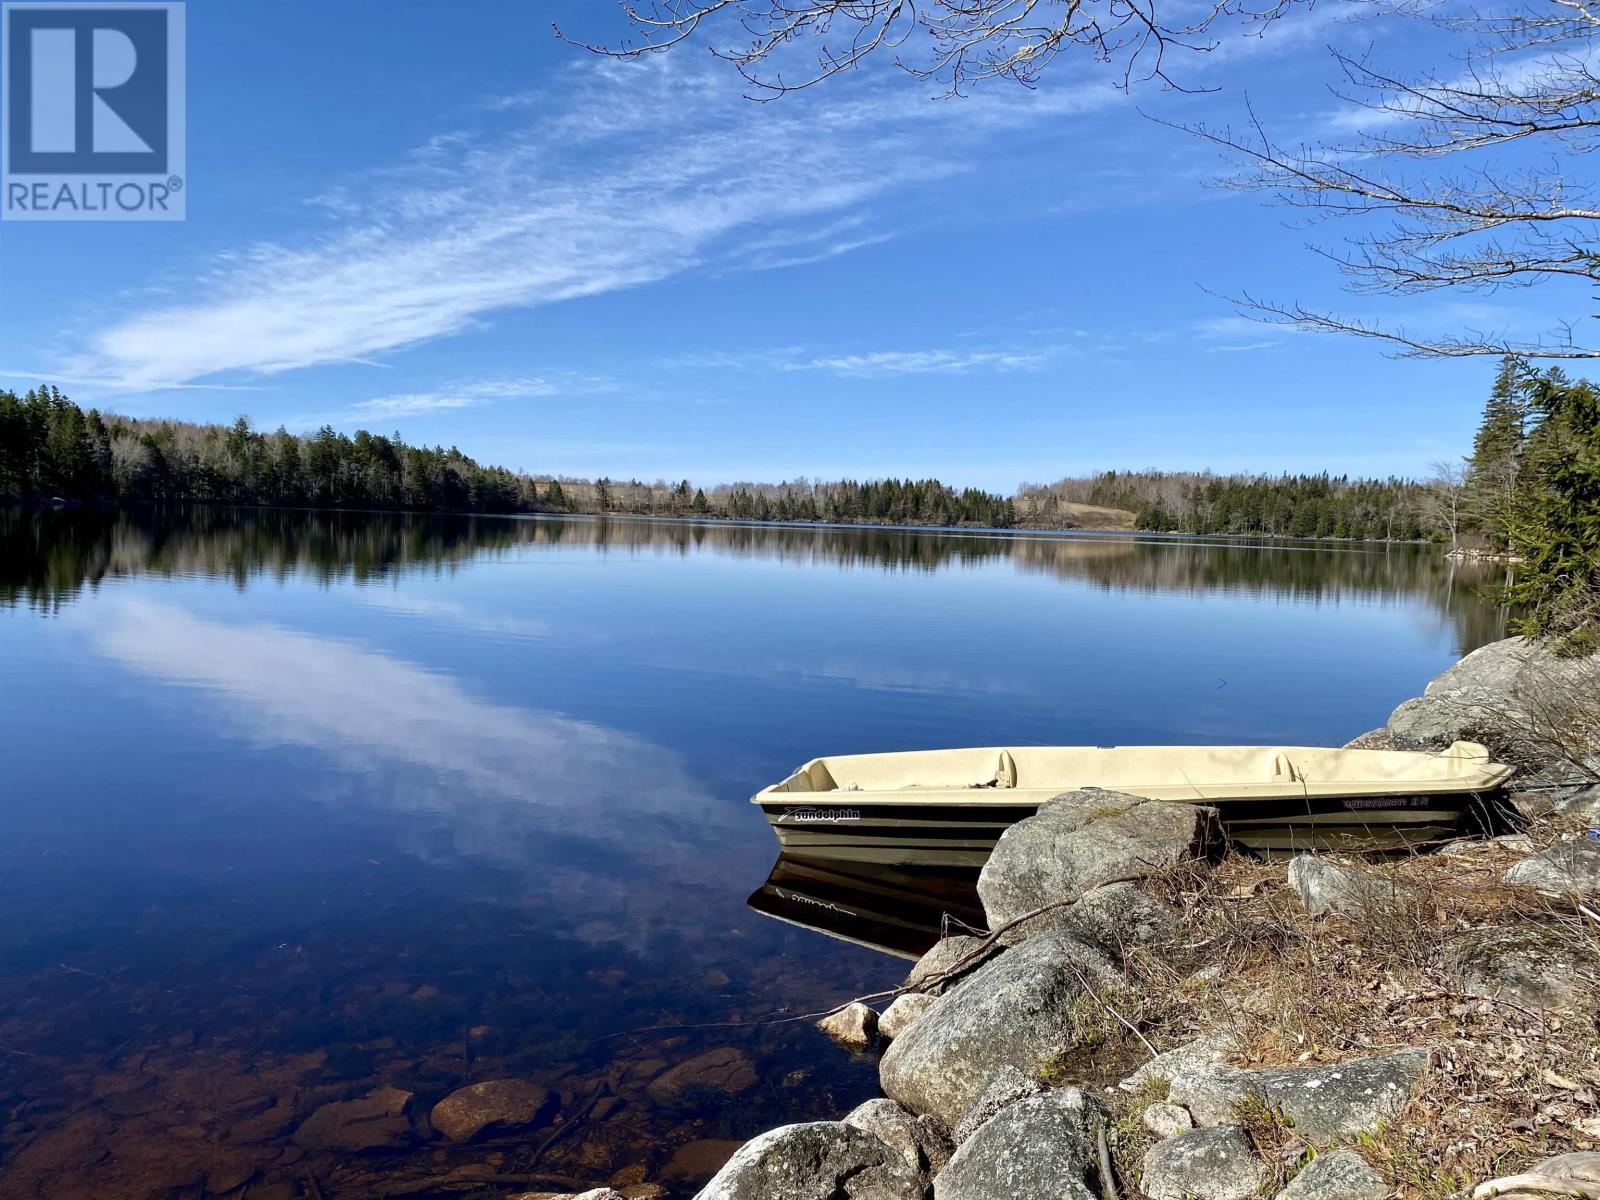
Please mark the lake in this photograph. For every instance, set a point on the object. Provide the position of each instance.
(299, 806)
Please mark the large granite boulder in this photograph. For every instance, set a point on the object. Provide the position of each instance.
(948, 962)
(1117, 918)
(1566, 869)
(922, 1141)
(1536, 966)
(1005, 1087)
(1204, 1164)
(1015, 1011)
(1326, 887)
(1326, 1104)
(1043, 1147)
(498, 1105)
(903, 1013)
(380, 1120)
(823, 1160)
(1342, 1175)
(1083, 840)
(1516, 696)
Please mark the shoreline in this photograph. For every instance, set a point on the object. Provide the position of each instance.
(1083, 1048)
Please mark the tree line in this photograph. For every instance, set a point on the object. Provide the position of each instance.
(52, 449)
(1299, 506)
(1531, 490)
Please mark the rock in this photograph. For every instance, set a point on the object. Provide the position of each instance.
(1326, 887)
(1005, 1087)
(1504, 694)
(1325, 1104)
(1167, 1120)
(1015, 1011)
(1342, 1175)
(1116, 917)
(1040, 1148)
(903, 1013)
(1204, 1164)
(1566, 869)
(1580, 805)
(699, 1159)
(496, 1105)
(921, 1141)
(724, 1070)
(855, 1026)
(1536, 966)
(943, 958)
(1202, 1052)
(1374, 739)
(380, 1120)
(1084, 839)
(1581, 1169)
(824, 1160)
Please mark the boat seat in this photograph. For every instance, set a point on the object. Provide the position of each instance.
(1282, 768)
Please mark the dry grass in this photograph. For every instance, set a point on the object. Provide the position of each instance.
(1507, 1086)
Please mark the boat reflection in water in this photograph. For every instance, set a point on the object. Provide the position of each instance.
(901, 910)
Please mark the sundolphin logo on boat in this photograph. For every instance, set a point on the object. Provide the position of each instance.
(827, 816)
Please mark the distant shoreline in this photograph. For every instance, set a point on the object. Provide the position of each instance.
(61, 504)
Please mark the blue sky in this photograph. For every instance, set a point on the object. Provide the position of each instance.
(439, 220)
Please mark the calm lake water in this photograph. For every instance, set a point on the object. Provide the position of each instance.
(297, 806)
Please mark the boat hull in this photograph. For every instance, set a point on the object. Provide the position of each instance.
(963, 835)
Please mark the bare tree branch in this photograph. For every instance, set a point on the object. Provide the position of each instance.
(954, 42)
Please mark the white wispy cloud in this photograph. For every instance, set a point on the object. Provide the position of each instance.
(872, 363)
(925, 362)
(473, 393)
(625, 185)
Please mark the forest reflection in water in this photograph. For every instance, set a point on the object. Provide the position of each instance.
(46, 558)
(302, 805)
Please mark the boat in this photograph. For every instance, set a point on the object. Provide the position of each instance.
(949, 807)
(895, 910)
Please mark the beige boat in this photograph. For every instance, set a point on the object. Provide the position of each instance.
(949, 807)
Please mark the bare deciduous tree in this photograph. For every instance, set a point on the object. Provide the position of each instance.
(955, 42)
(1468, 175)
(1446, 493)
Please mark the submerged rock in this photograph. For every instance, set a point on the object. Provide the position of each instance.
(1325, 1104)
(903, 1013)
(380, 1120)
(922, 1141)
(1043, 1147)
(1327, 887)
(493, 1106)
(1342, 1175)
(724, 1070)
(1537, 966)
(824, 1160)
(1084, 839)
(855, 1026)
(929, 975)
(1016, 1011)
(1204, 1164)
(1566, 869)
